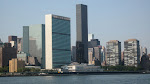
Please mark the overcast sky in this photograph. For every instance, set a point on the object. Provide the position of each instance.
(107, 19)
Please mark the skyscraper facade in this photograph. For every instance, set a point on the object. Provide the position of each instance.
(131, 52)
(57, 41)
(34, 42)
(113, 53)
(82, 32)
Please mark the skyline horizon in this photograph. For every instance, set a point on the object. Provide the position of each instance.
(139, 35)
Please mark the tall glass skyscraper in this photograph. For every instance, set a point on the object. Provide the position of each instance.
(34, 41)
(57, 41)
(82, 33)
(25, 39)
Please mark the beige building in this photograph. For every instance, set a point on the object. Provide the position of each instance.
(15, 64)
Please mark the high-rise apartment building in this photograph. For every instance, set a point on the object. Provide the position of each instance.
(90, 37)
(82, 33)
(57, 41)
(7, 53)
(34, 42)
(131, 52)
(113, 53)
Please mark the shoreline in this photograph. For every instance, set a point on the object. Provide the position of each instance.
(25, 74)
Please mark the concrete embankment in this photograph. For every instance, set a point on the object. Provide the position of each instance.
(66, 73)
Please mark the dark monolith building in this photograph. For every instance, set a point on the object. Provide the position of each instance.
(82, 33)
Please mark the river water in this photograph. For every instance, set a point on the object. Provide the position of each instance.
(79, 79)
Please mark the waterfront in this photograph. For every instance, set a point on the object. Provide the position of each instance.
(79, 79)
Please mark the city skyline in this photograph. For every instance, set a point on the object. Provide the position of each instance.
(131, 19)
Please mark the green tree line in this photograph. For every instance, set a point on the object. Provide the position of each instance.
(122, 68)
(28, 70)
(4, 69)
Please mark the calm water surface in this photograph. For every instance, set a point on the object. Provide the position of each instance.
(79, 79)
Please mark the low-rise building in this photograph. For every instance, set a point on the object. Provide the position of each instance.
(15, 64)
(23, 56)
(32, 61)
(36, 67)
(76, 67)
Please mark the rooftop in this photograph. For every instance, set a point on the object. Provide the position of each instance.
(113, 41)
(132, 40)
